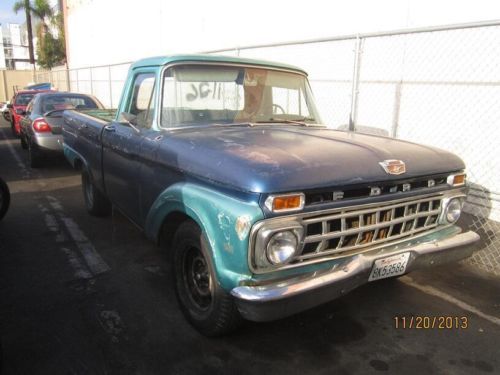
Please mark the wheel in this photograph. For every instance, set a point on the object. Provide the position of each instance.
(4, 198)
(34, 155)
(13, 127)
(209, 308)
(24, 144)
(95, 202)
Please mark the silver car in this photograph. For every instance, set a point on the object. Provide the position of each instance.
(41, 126)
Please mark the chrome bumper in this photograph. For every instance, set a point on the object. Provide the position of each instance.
(274, 300)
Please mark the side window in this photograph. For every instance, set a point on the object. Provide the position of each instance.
(142, 100)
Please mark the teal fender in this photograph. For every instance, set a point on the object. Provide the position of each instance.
(224, 220)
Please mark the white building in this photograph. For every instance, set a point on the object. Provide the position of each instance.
(16, 53)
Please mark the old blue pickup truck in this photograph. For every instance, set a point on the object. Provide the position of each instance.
(264, 211)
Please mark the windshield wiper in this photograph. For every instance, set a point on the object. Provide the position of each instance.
(301, 122)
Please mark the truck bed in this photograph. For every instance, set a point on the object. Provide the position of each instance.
(107, 115)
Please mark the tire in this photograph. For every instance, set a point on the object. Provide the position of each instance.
(4, 198)
(34, 155)
(24, 144)
(13, 128)
(209, 308)
(95, 202)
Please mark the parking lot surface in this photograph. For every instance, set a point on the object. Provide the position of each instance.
(86, 295)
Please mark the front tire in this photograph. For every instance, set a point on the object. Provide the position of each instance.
(208, 307)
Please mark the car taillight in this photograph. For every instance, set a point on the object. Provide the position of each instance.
(41, 126)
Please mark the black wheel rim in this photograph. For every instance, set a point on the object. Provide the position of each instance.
(197, 279)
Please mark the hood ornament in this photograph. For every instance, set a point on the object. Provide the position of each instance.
(393, 166)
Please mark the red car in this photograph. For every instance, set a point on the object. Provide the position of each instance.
(18, 106)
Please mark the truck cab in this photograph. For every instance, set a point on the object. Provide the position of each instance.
(264, 210)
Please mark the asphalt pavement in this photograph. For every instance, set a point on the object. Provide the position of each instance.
(86, 295)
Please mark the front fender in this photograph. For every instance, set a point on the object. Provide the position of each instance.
(217, 215)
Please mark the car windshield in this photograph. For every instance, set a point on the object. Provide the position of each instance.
(60, 102)
(201, 95)
(23, 99)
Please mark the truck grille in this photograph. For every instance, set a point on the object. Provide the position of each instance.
(352, 229)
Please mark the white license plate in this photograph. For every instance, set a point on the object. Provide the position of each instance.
(388, 267)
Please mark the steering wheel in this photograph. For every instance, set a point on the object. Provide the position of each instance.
(276, 108)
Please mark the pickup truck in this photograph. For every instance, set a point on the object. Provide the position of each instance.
(265, 211)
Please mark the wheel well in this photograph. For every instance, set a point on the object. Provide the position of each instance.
(170, 225)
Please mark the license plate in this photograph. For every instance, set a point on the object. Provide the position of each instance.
(388, 267)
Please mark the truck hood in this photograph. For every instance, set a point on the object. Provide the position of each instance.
(268, 159)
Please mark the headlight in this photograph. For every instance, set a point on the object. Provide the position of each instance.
(453, 210)
(282, 247)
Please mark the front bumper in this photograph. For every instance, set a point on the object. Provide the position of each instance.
(278, 299)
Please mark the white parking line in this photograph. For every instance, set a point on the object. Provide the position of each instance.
(93, 259)
(80, 270)
(461, 304)
(26, 173)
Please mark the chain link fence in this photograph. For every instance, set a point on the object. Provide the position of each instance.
(438, 86)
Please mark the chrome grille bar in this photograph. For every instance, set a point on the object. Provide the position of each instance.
(355, 229)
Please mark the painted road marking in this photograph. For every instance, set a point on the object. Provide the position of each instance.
(26, 173)
(437, 293)
(94, 261)
(43, 184)
(80, 269)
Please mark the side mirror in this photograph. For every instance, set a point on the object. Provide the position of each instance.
(9, 106)
(21, 112)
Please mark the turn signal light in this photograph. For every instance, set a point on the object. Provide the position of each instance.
(288, 202)
(457, 179)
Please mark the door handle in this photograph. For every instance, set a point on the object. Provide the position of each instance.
(110, 128)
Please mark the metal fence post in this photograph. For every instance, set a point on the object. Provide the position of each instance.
(68, 82)
(91, 83)
(355, 83)
(397, 106)
(77, 82)
(110, 87)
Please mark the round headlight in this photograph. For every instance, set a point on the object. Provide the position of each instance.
(281, 247)
(453, 210)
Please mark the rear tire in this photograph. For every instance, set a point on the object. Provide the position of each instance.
(13, 128)
(34, 156)
(24, 144)
(208, 307)
(4, 199)
(95, 202)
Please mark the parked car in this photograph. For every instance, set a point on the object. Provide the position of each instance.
(17, 107)
(4, 198)
(4, 108)
(40, 128)
(265, 211)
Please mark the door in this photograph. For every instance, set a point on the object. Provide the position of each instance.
(122, 156)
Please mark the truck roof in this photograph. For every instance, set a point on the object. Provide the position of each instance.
(163, 60)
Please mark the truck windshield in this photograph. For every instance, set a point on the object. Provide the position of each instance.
(202, 95)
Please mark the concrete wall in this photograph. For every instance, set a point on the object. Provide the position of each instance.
(9, 79)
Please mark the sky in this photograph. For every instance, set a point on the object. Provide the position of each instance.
(7, 15)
